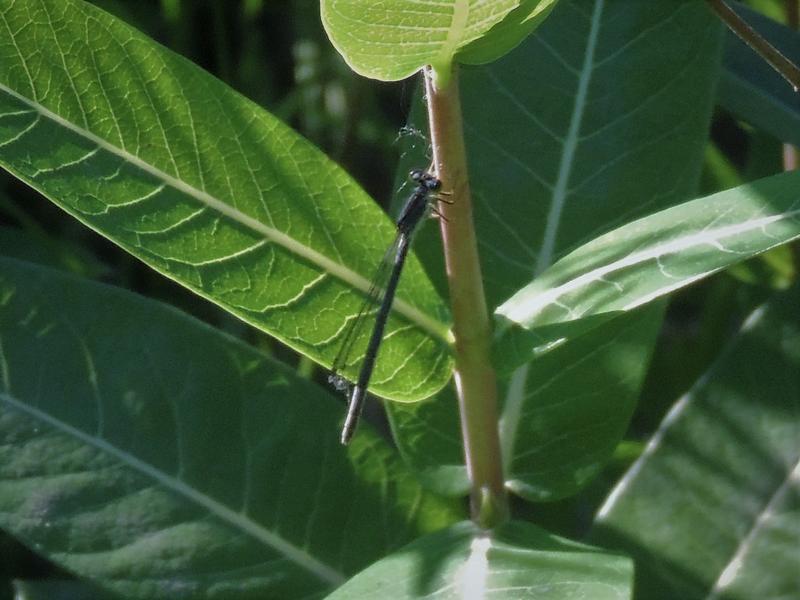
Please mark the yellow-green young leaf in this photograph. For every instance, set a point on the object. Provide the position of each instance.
(392, 40)
(204, 186)
(507, 33)
(516, 560)
(159, 458)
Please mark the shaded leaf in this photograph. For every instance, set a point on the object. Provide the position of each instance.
(610, 125)
(33, 589)
(562, 415)
(565, 412)
(204, 186)
(159, 458)
(429, 439)
(37, 247)
(518, 560)
(712, 508)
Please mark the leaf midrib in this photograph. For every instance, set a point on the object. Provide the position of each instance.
(560, 190)
(239, 521)
(425, 322)
(515, 397)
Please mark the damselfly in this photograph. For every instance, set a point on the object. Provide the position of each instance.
(381, 292)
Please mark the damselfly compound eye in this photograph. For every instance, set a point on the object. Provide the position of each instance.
(416, 175)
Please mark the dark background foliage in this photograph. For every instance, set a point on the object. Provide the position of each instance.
(276, 53)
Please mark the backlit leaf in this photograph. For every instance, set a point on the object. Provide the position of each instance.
(204, 186)
(392, 40)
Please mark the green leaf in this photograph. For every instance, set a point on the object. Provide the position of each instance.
(562, 415)
(753, 91)
(393, 40)
(37, 247)
(159, 458)
(719, 172)
(428, 436)
(712, 508)
(518, 560)
(774, 9)
(656, 255)
(205, 187)
(565, 412)
(610, 125)
(508, 33)
(48, 589)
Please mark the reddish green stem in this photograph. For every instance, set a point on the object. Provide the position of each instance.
(790, 155)
(475, 378)
(752, 38)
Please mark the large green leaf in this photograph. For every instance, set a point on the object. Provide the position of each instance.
(563, 415)
(392, 40)
(565, 412)
(753, 91)
(656, 255)
(610, 126)
(598, 118)
(712, 508)
(162, 459)
(518, 560)
(204, 186)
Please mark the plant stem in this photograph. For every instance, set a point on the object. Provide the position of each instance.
(790, 154)
(475, 378)
(752, 38)
(792, 13)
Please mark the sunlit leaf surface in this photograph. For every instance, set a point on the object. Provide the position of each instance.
(518, 560)
(204, 186)
(509, 32)
(392, 40)
(657, 255)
